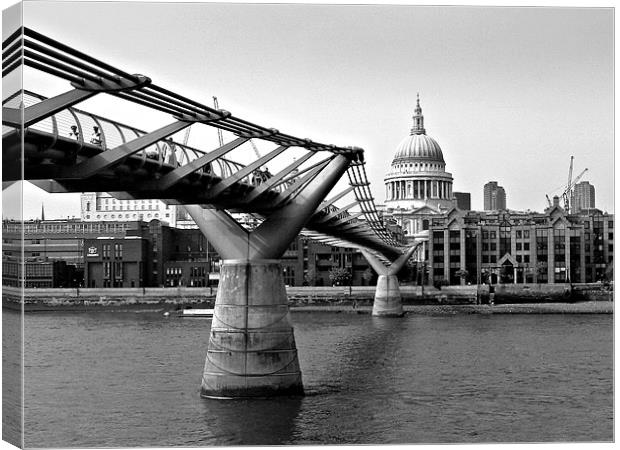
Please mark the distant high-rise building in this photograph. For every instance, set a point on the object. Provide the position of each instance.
(583, 197)
(462, 200)
(494, 197)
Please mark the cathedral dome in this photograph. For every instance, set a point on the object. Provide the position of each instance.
(417, 177)
(419, 147)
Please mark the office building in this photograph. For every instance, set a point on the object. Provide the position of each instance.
(582, 197)
(462, 200)
(494, 197)
(516, 247)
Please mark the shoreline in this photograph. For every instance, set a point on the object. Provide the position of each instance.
(587, 307)
(590, 307)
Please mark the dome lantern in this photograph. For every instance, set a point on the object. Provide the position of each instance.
(418, 119)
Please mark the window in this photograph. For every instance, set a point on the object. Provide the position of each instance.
(118, 270)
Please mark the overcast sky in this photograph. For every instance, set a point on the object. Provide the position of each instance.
(508, 93)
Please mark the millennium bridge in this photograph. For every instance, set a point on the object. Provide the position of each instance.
(251, 349)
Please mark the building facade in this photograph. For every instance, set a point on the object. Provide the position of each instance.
(101, 206)
(511, 247)
(51, 247)
(55, 253)
(494, 197)
(115, 262)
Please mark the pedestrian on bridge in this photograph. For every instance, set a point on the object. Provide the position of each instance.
(74, 132)
(95, 138)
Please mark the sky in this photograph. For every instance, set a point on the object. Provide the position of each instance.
(508, 93)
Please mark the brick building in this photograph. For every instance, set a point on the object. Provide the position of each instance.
(115, 262)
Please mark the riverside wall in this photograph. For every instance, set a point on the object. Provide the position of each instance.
(171, 298)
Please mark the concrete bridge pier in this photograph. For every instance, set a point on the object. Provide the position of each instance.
(252, 348)
(388, 301)
(252, 351)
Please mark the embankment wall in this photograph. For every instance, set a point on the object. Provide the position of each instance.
(93, 298)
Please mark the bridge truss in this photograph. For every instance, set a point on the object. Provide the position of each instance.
(131, 163)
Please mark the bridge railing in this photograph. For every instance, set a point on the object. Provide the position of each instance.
(80, 125)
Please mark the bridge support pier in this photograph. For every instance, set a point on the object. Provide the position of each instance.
(252, 351)
(252, 348)
(388, 301)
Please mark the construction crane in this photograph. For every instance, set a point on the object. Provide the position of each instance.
(568, 190)
(255, 149)
(570, 178)
(219, 130)
(570, 184)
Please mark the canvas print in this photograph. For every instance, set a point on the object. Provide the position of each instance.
(229, 224)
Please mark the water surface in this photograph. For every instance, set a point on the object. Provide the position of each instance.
(133, 379)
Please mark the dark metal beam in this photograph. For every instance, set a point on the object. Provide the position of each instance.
(300, 185)
(44, 109)
(335, 198)
(225, 184)
(172, 178)
(337, 212)
(345, 219)
(276, 179)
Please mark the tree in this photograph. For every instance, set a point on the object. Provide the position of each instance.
(485, 276)
(462, 274)
(339, 276)
(310, 276)
(368, 275)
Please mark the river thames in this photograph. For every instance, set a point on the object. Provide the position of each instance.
(133, 379)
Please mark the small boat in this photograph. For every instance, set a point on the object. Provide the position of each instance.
(196, 313)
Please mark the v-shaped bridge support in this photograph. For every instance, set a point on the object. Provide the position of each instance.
(252, 349)
(388, 301)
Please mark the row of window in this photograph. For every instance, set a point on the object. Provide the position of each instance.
(127, 216)
(79, 227)
(118, 251)
(113, 270)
